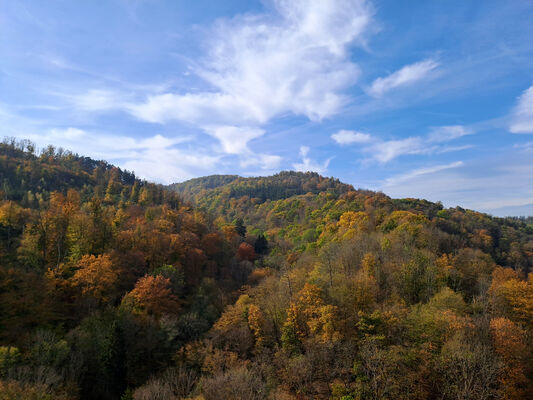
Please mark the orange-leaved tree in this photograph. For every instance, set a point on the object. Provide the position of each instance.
(96, 277)
(153, 295)
(510, 344)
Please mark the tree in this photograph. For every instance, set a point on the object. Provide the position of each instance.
(174, 274)
(240, 228)
(153, 295)
(246, 252)
(12, 218)
(511, 296)
(261, 244)
(467, 371)
(96, 277)
(235, 384)
(255, 322)
(418, 279)
(365, 287)
(310, 316)
(510, 344)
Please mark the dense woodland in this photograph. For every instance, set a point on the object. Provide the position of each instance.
(294, 286)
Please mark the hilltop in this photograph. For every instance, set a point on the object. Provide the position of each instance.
(279, 186)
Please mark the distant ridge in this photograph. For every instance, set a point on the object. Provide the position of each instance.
(525, 210)
(279, 186)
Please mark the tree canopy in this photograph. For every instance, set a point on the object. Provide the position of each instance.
(294, 286)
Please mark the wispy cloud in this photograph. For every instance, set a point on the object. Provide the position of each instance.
(384, 151)
(308, 164)
(522, 119)
(447, 133)
(478, 185)
(405, 76)
(267, 162)
(234, 139)
(98, 100)
(260, 67)
(394, 180)
(350, 137)
(527, 147)
(451, 149)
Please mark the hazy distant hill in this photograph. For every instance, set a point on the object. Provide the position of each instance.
(525, 210)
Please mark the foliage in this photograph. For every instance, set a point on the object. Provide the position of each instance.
(285, 287)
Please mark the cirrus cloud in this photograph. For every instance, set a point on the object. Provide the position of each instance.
(406, 75)
(522, 119)
(384, 151)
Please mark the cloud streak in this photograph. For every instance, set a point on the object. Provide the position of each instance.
(405, 76)
(384, 151)
(395, 180)
(469, 184)
(522, 119)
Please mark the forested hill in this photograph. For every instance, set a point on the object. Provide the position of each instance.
(191, 188)
(280, 186)
(103, 276)
(28, 176)
(302, 208)
(362, 296)
(287, 287)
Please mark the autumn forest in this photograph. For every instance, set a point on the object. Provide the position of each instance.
(292, 286)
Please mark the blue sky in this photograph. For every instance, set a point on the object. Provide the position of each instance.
(420, 99)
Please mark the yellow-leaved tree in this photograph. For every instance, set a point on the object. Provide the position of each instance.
(310, 317)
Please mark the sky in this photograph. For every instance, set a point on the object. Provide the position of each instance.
(428, 99)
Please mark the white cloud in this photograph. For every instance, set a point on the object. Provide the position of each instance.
(384, 151)
(450, 149)
(394, 180)
(98, 100)
(267, 162)
(304, 151)
(308, 164)
(479, 185)
(234, 139)
(404, 76)
(256, 68)
(526, 147)
(447, 133)
(349, 137)
(522, 119)
(196, 108)
(260, 67)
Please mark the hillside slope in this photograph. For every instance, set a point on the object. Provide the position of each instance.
(299, 207)
(293, 286)
(360, 296)
(103, 276)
